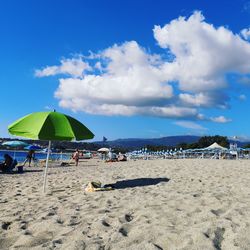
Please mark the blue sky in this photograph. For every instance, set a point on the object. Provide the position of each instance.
(129, 68)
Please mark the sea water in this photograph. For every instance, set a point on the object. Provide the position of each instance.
(20, 156)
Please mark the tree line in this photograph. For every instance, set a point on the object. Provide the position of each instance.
(203, 142)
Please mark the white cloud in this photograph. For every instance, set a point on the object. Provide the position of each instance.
(131, 80)
(203, 53)
(74, 67)
(209, 99)
(242, 97)
(220, 119)
(190, 125)
(128, 80)
(245, 33)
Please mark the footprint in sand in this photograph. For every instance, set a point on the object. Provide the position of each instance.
(196, 195)
(23, 225)
(51, 213)
(6, 225)
(123, 231)
(56, 242)
(80, 244)
(103, 211)
(109, 202)
(126, 218)
(217, 212)
(105, 223)
(19, 218)
(78, 209)
(3, 200)
(74, 221)
(27, 232)
(218, 237)
(59, 221)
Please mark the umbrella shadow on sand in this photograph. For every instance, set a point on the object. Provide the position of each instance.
(24, 171)
(140, 182)
(32, 170)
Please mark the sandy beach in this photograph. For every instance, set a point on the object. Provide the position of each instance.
(157, 204)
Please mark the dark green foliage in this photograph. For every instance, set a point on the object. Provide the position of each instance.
(246, 146)
(202, 142)
(157, 148)
(206, 141)
(183, 145)
(120, 150)
(59, 145)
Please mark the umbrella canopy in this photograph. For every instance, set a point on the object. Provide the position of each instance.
(15, 144)
(50, 126)
(215, 146)
(104, 150)
(33, 147)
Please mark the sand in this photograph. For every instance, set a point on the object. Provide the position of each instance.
(158, 204)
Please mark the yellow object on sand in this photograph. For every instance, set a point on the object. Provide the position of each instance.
(96, 186)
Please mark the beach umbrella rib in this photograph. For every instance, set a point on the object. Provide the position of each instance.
(76, 127)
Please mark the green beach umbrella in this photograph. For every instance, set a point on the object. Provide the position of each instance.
(51, 126)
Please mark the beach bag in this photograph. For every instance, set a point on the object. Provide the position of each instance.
(20, 169)
(96, 186)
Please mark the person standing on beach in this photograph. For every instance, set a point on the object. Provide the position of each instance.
(76, 156)
(29, 157)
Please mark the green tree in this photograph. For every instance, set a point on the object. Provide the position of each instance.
(182, 145)
(206, 141)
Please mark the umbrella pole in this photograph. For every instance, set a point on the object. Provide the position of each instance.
(46, 168)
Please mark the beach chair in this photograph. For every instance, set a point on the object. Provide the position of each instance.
(13, 165)
(36, 162)
(215, 156)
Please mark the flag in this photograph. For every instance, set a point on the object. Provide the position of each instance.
(104, 139)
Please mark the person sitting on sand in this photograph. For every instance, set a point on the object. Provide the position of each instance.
(111, 157)
(7, 164)
(121, 157)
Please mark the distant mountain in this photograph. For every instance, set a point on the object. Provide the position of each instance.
(138, 142)
(130, 143)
